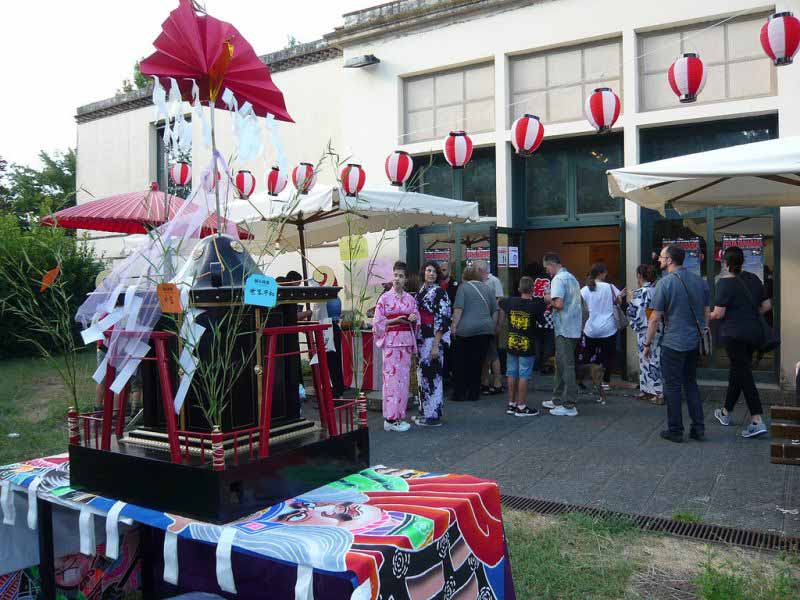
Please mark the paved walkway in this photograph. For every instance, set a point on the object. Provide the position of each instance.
(610, 456)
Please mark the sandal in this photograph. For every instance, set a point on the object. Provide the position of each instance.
(494, 391)
(486, 390)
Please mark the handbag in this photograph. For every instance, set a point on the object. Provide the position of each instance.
(705, 334)
(768, 340)
(620, 318)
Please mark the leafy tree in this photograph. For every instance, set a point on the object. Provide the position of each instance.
(33, 192)
(136, 82)
(292, 41)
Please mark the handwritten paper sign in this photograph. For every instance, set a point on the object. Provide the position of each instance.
(261, 290)
(49, 278)
(169, 297)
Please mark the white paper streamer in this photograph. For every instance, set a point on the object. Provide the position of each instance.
(188, 361)
(304, 586)
(7, 503)
(199, 116)
(112, 299)
(33, 508)
(362, 592)
(112, 530)
(171, 557)
(86, 529)
(160, 99)
(124, 375)
(180, 395)
(224, 569)
(100, 373)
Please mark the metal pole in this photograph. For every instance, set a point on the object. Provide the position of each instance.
(303, 265)
(47, 567)
(214, 173)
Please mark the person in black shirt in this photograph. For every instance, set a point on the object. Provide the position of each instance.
(740, 301)
(522, 315)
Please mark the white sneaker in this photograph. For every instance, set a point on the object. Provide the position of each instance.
(396, 426)
(563, 411)
(548, 404)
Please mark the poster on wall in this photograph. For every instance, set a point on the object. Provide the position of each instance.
(513, 257)
(438, 256)
(474, 254)
(502, 256)
(694, 256)
(752, 246)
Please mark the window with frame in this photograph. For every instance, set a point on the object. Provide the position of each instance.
(554, 85)
(736, 66)
(438, 103)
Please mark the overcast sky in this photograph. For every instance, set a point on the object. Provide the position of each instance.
(59, 55)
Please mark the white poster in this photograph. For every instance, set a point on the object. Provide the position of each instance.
(502, 256)
(513, 257)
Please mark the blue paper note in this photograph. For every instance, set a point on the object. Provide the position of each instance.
(261, 290)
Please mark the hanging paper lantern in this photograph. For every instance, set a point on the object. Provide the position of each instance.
(245, 183)
(399, 165)
(276, 181)
(211, 182)
(353, 178)
(526, 134)
(602, 109)
(304, 177)
(687, 76)
(457, 149)
(780, 37)
(181, 173)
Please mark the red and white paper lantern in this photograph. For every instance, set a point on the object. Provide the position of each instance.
(399, 166)
(181, 173)
(526, 134)
(304, 177)
(687, 76)
(602, 109)
(276, 181)
(457, 149)
(353, 178)
(245, 183)
(780, 37)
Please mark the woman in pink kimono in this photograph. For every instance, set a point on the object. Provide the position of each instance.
(394, 328)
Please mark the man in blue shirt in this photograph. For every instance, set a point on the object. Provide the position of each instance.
(682, 299)
(565, 297)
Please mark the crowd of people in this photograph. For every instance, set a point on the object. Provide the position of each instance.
(467, 335)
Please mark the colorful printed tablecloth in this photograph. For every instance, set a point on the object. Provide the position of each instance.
(389, 533)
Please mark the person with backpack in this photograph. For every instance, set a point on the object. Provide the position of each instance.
(521, 314)
(739, 305)
(681, 299)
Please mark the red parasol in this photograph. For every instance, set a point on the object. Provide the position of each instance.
(135, 212)
(214, 54)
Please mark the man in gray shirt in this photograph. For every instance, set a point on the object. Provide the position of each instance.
(682, 298)
(565, 296)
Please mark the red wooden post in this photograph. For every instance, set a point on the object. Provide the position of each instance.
(362, 411)
(167, 399)
(217, 450)
(122, 407)
(325, 381)
(315, 376)
(266, 403)
(73, 427)
(108, 409)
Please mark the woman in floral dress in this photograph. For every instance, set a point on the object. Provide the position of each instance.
(433, 337)
(650, 383)
(394, 326)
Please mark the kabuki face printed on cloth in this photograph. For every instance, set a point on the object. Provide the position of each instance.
(348, 515)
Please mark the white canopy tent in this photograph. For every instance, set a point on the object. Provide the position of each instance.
(326, 214)
(757, 174)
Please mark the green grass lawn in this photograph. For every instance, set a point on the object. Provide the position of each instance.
(33, 404)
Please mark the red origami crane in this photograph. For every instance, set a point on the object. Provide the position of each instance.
(215, 55)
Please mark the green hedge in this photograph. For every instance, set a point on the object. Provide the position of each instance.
(42, 246)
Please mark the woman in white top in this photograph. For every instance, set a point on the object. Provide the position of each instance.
(601, 328)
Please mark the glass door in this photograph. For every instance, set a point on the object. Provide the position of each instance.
(507, 251)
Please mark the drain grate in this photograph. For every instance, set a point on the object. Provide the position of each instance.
(747, 538)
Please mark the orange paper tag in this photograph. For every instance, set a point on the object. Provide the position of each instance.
(49, 278)
(169, 297)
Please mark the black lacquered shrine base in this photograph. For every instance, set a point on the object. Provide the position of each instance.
(147, 477)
